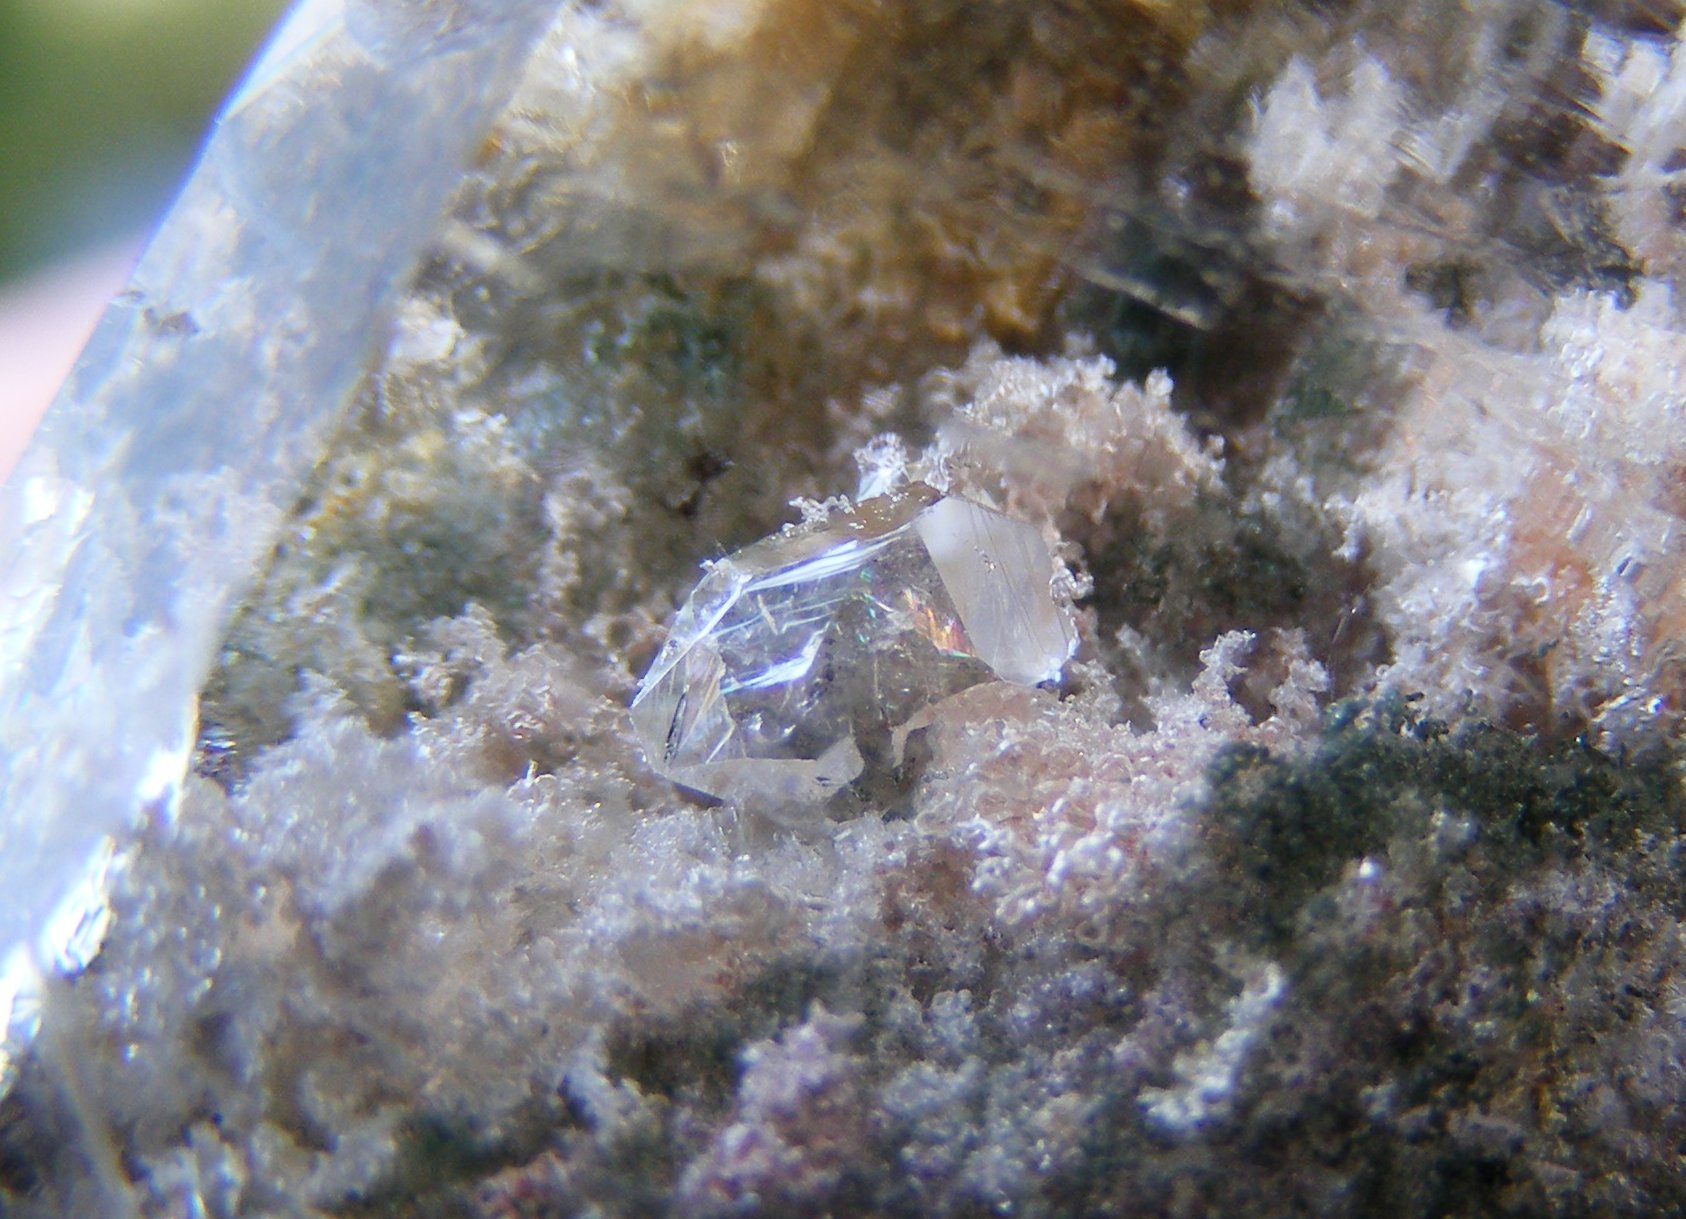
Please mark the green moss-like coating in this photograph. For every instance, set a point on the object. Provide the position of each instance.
(1381, 772)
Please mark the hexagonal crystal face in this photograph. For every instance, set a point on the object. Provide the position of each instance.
(798, 664)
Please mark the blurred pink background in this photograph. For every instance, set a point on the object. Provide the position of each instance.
(44, 321)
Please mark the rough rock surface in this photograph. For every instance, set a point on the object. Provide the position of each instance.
(1337, 352)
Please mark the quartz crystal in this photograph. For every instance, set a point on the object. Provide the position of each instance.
(156, 483)
(799, 664)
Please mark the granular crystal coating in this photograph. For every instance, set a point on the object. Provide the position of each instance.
(796, 661)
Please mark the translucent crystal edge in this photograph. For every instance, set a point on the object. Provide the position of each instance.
(205, 394)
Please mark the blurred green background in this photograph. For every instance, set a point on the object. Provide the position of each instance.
(103, 104)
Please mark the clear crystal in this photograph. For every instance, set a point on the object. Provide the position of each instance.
(798, 664)
(160, 478)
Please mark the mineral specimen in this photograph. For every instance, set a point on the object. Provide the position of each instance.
(798, 663)
(1337, 351)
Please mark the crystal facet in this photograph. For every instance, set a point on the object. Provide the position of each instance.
(799, 663)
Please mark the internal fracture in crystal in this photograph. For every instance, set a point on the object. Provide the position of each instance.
(800, 663)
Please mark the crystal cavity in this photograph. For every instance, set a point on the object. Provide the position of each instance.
(800, 663)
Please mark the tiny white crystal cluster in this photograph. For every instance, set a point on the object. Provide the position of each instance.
(803, 660)
(1521, 511)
